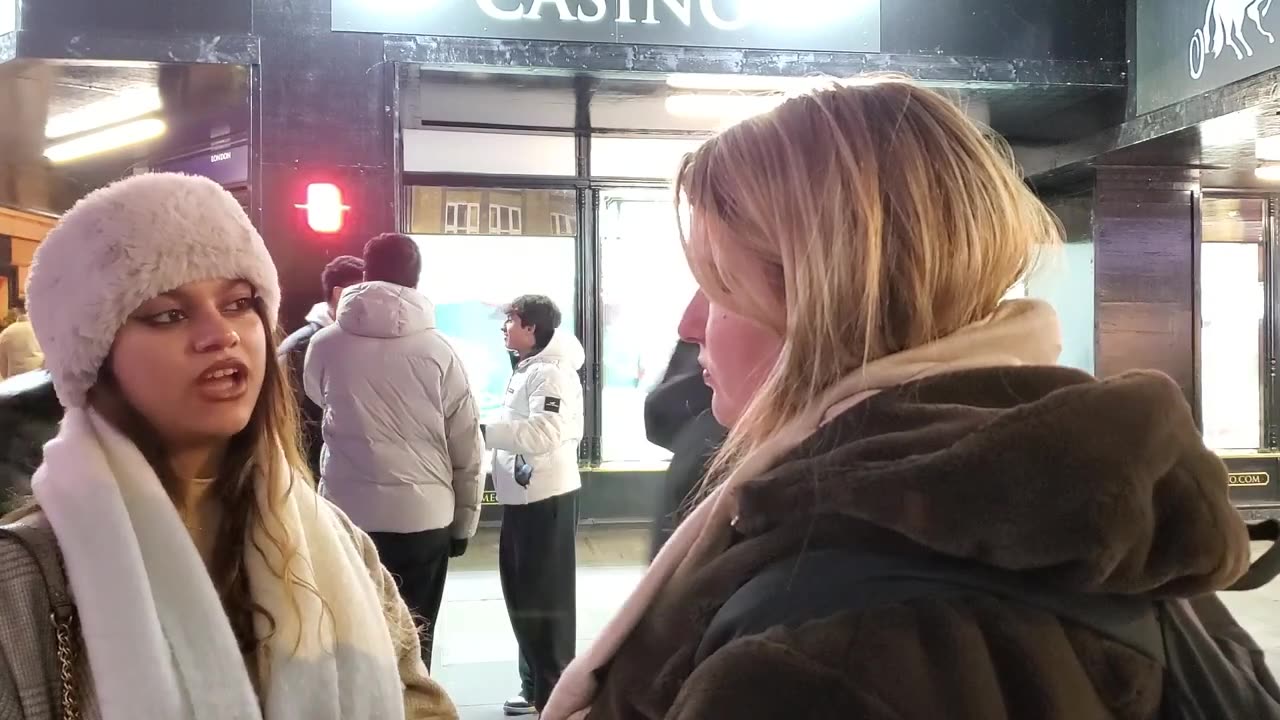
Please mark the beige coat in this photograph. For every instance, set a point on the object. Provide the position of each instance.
(19, 351)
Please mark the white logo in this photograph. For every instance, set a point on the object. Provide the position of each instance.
(219, 157)
(1224, 24)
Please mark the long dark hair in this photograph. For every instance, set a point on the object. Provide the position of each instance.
(253, 456)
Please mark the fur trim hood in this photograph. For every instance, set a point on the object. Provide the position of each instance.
(1098, 486)
(124, 244)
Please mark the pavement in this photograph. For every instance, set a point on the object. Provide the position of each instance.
(475, 650)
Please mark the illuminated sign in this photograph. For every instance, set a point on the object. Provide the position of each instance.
(819, 25)
(490, 497)
(1248, 479)
(1184, 48)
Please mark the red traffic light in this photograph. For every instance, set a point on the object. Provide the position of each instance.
(325, 211)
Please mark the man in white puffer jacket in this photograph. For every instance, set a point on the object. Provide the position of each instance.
(402, 449)
(535, 471)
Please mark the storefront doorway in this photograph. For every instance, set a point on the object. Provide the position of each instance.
(1238, 336)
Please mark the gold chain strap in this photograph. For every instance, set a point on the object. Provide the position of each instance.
(65, 628)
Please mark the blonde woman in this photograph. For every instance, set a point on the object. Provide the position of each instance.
(209, 579)
(853, 248)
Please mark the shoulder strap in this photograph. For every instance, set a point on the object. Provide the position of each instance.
(822, 583)
(38, 540)
(34, 536)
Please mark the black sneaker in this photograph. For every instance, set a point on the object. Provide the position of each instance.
(518, 706)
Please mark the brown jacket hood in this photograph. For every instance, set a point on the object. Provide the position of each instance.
(1094, 485)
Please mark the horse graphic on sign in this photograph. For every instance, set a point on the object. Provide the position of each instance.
(1224, 24)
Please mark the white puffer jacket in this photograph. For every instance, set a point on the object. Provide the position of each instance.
(541, 421)
(402, 448)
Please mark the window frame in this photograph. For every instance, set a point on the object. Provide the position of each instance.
(472, 212)
(1269, 341)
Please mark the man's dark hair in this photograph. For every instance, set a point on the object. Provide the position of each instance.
(342, 271)
(20, 304)
(539, 311)
(393, 258)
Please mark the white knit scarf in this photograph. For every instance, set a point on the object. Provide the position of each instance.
(1020, 332)
(159, 642)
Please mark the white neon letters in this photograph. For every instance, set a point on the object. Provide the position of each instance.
(599, 14)
(535, 10)
(597, 10)
(709, 12)
(490, 8)
(683, 10)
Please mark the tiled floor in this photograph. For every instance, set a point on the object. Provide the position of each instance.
(475, 649)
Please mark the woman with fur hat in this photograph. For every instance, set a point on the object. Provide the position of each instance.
(208, 578)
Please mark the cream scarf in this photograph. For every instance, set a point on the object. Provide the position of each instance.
(159, 643)
(1020, 332)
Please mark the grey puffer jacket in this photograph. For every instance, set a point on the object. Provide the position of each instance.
(402, 448)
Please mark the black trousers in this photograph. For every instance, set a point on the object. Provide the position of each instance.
(419, 561)
(537, 560)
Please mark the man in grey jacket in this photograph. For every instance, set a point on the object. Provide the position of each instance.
(402, 447)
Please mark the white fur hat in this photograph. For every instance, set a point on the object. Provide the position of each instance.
(123, 245)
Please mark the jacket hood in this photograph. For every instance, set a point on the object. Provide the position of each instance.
(319, 315)
(384, 310)
(563, 349)
(1098, 486)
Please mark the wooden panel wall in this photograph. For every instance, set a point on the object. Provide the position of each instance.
(1145, 273)
(23, 232)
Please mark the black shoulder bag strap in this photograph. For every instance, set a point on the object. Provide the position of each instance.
(822, 583)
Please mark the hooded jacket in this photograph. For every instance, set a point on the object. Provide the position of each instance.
(1090, 486)
(293, 351)
(677, 416)
(402, 448)
(541, 422)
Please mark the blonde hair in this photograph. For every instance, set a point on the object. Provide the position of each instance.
(855, 221)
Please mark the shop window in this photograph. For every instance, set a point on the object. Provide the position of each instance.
(1232, 321)
(645, 287)
(471, 280)
(461, 218)
(505, 220)
(640, 157)
(563, 224)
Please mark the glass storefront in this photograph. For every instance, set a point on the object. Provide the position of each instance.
(1233, 292)
(483, 248)
(645, 286)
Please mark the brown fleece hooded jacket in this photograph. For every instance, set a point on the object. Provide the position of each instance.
(1085, 485)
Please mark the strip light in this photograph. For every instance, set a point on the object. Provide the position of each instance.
(129, 104)
(104, 140)
(1269, 172)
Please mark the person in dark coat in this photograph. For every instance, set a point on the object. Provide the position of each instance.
(29, 417)
(854, 248)
(341, 273)
(677, 416)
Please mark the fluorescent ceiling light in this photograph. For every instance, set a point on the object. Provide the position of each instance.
(744, 83)
(1229, 130)
(104, 140)
(1267, 148)
(726, 108)
(1268, 171)
(129, 104)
